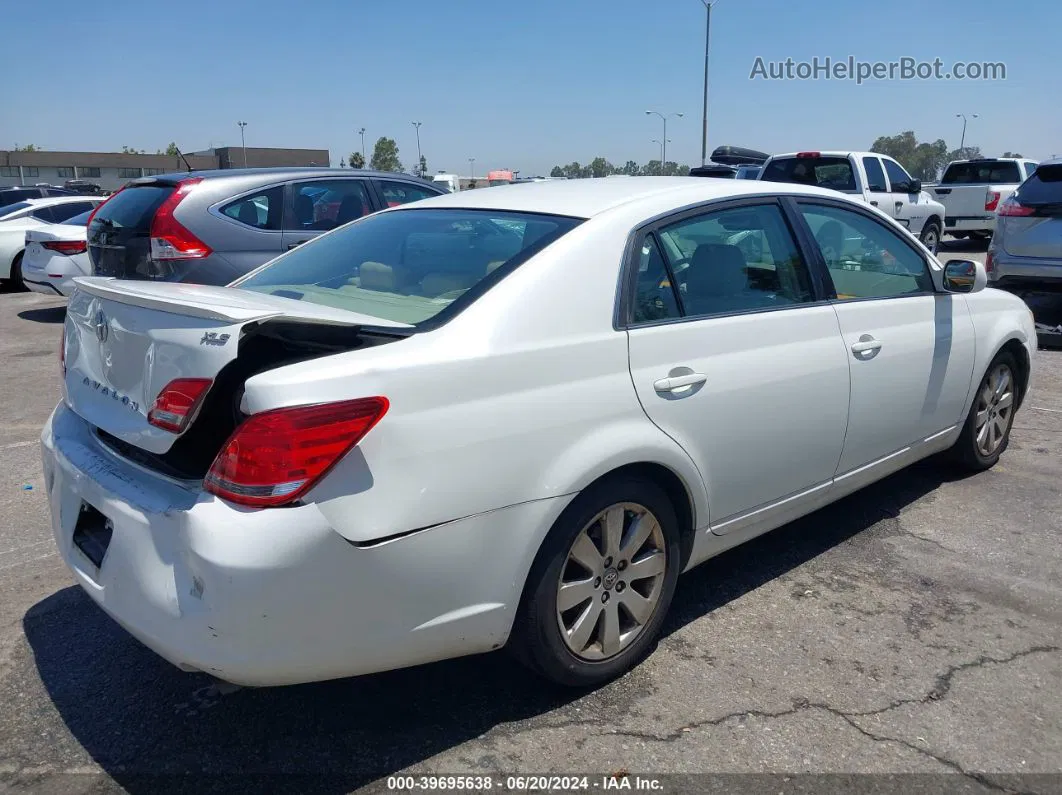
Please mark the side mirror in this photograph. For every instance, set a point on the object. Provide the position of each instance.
(914, 186)
(964, 276)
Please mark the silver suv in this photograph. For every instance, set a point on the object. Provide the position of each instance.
(211, 227)
(1026, 249)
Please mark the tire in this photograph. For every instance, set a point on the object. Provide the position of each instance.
(970, 450)
(930, 236)
(538, 638)
(14, 281)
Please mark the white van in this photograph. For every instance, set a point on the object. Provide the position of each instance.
(451, 181)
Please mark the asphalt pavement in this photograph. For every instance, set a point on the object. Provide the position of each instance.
(913, 628)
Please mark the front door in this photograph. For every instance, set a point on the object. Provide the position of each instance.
(318, 205)
(911, 349)
(734, 355)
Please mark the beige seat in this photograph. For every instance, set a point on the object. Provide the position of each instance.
(377, 276)
(436, 284)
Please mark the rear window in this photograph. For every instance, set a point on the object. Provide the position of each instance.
(1043, 187)
(132, 208)
(9, 197)
(834, 173)
(982, 172)
(408, 266)
(11, 209)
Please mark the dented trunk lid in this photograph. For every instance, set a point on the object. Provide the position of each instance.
(125, 341)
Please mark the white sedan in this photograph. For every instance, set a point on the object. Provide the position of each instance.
(19, 218)
(55, 255)
(506, 417)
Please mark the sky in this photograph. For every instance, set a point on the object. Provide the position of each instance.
(518, 85)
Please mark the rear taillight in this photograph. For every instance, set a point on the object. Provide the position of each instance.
(991, 200)
(66, 247)
(170, 240)
(809, 154)
(62, 352)
(275, 457)
(1012, 207)
(990, 264)
(177, 403)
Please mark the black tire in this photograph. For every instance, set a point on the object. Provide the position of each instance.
(966, 452)
(14, 281)
(930, 236)
(536, 638)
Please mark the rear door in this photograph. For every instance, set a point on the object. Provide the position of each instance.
(735, 354)
(911, 349)
(314, 206)
(1034, 228)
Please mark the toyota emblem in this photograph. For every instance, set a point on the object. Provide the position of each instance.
(102, 329)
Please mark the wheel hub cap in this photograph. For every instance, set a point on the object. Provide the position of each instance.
(609, 580)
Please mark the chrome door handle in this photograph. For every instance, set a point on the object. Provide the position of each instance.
(677, 382)
(866, 344)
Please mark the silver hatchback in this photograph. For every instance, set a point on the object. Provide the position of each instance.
(211, 227)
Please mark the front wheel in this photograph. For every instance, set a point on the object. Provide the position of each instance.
(601, 585)
(930, 236)
(986, 433)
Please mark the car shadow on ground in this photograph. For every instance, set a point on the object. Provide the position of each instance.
(153, 728)
(49, 314)
(951, 245)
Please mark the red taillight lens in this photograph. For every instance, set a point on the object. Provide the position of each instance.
(990, 264)
(991, 201)
(67, 247)
(169, 239)
(275, 457)
(1012, 207)
(176, 405)
(809, 154)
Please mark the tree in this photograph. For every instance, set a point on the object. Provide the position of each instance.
(422, 168)
(966, 153)
(356, 160)
(923, 160)
(650, 169)
(27, 148)
(171, 149)
(630, 168)
(556, 171)
(599, 167)
(385, 155)
(342, 163)
(1011, 154)
(573, 170)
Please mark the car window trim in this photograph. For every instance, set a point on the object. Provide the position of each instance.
(216, 209)
(866, 212)
(416, 185)
(623, 317)
(289, 199)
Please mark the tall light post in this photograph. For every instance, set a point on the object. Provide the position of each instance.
(361, 132)
(707, 33)
(243, 142)
(661, 145)
(472, 168)
(962, 143)
(663, 149)
(416, 126)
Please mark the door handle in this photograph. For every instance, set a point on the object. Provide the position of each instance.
(873, 204)
(899, 205)
(296, 245)
(677, 382)
(866, 344)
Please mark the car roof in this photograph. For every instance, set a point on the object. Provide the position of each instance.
(831, 153)
(274, 173)
(585, 198)
(62, 199)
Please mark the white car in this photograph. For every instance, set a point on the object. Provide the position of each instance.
(19, 218)
(55, 254)
(506, 417)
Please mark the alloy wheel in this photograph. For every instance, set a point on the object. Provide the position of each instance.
(995, 407)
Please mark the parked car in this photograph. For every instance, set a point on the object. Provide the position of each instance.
(9, 196)
(876, 179)
(211, 227)
(451, 182)
(82, 186)
(972, 190)
(55, 254)
(19, 218)
(419, 436)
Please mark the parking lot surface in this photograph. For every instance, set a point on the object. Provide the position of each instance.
(915, 627)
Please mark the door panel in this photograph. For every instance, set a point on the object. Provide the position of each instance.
(733, 358)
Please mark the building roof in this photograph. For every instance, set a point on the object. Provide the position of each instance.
(102, 159)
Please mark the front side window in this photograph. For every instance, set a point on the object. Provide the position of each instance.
(261, 210)
(734, 260)
(865, 258)
(875, 176)
(407, 266)
(897, 176)
(324, 204)
(396, 193)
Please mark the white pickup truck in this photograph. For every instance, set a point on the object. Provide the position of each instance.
(971, 190)
(878, 179)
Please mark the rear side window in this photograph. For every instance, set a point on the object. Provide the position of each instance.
(262, 210)
(982, 172)
(407, 266)
(132, 208)
(1043, 187)
(44, 214)
(62, 212)
(8, 197)
(78, 220)
(16, 207)
(834, 173)
(875, 176)
(395, 193)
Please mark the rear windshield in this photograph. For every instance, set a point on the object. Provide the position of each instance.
(1043, 187)
(9, 197)
(407, 266)
(982, 172)
(10, 209)
(78, 220)
(132, 208)
(834, 173)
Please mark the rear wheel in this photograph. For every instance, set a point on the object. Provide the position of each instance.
(14, 281)
(986, 433)
(930, 236)
(601, 585)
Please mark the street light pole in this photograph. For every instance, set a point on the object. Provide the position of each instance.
(707, 34)
(361, 132)
(243, 142)
(416, 126)
(661, 145)
(472, 168)
(663, 151)
(962, 143)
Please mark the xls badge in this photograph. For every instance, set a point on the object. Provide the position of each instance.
(213, 338)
